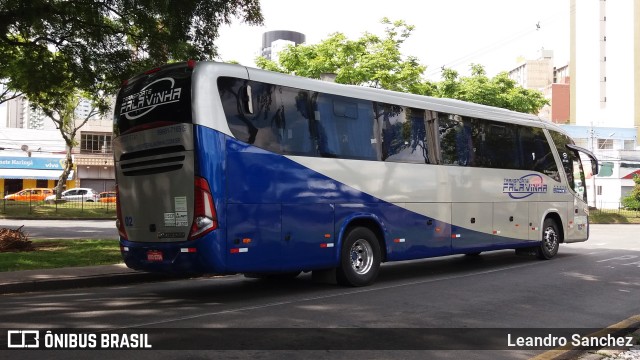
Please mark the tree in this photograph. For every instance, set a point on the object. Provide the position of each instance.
(53, 51)
(62, 111)
(376, 61)
(103, 42)
(632, 201)
(371, 60)
(500, 91)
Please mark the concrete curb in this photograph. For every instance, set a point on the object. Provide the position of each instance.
(72, 278)
(73, 283)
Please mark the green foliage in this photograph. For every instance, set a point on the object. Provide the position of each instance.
(376, 61)
(499, 91)
(57, 52)
(371, 60)
(632, 201)
(92, 45)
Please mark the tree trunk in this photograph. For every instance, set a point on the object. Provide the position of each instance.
(62, 181)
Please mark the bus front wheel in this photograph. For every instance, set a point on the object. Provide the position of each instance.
(550, 240)
(360, 258)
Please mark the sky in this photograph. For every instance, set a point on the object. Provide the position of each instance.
(450, 33)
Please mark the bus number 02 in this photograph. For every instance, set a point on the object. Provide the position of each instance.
(128, 221)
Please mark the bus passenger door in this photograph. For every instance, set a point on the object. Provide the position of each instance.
(308, 236)
(578, 224)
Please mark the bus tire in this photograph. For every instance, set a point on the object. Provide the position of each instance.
(550, 240)
(360, 258)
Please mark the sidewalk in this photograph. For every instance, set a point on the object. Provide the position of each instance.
(73, 277)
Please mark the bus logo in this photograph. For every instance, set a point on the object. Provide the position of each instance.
(144, 101)
(525, 186)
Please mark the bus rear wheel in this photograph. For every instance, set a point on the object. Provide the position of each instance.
(550, 240)
(360, 258)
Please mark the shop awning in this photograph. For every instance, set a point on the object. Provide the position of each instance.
(32, 174)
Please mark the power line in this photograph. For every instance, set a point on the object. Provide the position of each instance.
(539, 26)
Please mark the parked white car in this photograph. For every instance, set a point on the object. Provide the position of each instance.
(75, 194)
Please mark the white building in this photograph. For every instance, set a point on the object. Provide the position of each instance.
(605, 92)
(605, 63)
(28, 133)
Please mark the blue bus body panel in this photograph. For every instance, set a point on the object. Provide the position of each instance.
(276, 215)
(205, 259)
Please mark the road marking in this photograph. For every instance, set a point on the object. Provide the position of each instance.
(322, 297)
(623, 257)
(628, 323)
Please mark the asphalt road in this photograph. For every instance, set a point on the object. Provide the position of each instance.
(588, 285)
(64, 229)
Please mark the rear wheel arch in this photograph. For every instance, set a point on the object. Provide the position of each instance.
(371, 223)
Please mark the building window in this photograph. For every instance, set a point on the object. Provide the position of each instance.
(94, 143)
(606, 144)
(629, 145)
(599, 189)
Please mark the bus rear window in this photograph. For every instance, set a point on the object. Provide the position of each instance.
(154, 98)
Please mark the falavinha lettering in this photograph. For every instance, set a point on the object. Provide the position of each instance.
(140, 103)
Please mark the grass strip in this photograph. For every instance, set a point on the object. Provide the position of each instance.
(61, 253)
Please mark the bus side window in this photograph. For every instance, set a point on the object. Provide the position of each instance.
(345, 127)
(545, 162)
(296, 138)
(404, 134)
(231, 96)
(501, 146)
(456, 142)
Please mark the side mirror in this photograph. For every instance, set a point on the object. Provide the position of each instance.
(594, 160)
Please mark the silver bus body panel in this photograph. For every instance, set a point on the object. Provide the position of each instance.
(207, 108)
(156, 211)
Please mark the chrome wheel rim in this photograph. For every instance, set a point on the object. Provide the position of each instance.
(361, 257)
(550, 240)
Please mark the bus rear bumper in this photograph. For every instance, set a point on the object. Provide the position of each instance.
(176, 258)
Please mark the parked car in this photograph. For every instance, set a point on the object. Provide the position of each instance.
(107, 197)
(75, 194)
(35, 194)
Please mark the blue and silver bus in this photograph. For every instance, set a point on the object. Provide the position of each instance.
(225, 169)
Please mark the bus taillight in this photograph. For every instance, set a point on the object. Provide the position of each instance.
(204, 217)
(119, 222)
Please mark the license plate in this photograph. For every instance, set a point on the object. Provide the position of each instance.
(154, 255)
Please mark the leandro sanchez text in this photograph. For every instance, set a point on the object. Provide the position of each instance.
(550, 341)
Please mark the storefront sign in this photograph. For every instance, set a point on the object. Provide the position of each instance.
(35, 163)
